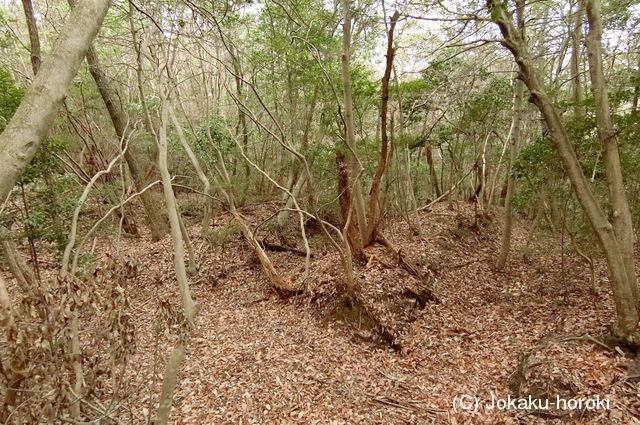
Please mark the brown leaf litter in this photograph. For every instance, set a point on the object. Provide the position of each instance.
(255, 359)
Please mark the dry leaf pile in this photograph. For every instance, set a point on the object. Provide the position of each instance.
(255, 359)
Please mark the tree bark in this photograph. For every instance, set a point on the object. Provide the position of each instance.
(627, 315)
(295, 191)
(357, 200)
(169, 383)
(373, 215)
(34, 38)
(155, 219)
(432, 170)
(30, 123)
(17, 265)
(12, 374)
(505, 244)
(636, 90)
(621, 214)
(241, 127)
(206, 220)
(344, 199)
(188, 305)
(302, 178)
(576, 84)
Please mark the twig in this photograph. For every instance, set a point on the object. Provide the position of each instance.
(445, 194)
(104, 217)
(591, 339)
(457, 266)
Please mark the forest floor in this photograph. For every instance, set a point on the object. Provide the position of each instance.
(256, 359)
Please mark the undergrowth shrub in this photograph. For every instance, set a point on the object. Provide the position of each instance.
(68, 345)
(221, 235)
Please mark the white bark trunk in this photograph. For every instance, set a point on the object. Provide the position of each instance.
(30, 123)
(174, 221)
(355, 168)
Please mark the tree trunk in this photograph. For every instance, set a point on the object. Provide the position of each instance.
(621, 214)
(623, 291)
(30, 123)
(432, 170)
(576, 84)
(505, 244)
(373, 215)
(357, 200)
(192, 269)
(34, 38)
(24, 275)
(188, 305)
(206, 220)
(169, 383)
(636, 90)
(155, 219)
(346, 210)
(241, 127)
(295, 191)
(12, 378)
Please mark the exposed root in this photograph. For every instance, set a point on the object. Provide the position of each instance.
(421, 295)
(354, 312)
(424, 294)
